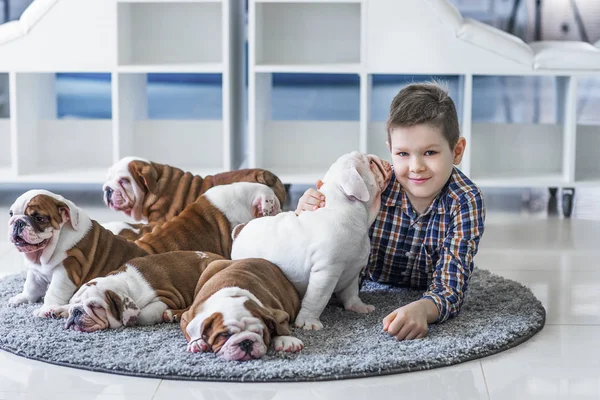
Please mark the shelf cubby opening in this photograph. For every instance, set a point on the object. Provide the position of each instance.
(5, 136)
(75, 147)
(587, 162)
(384, 87)
(175, 119)
(310, 121)
(511, 141)
(307, 33)
(159, 34)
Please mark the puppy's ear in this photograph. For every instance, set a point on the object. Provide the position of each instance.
(122, 308)
(68, 212)
(144, 174)
(354, 185)
(276, 321)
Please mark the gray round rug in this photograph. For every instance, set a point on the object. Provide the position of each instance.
(497, 314)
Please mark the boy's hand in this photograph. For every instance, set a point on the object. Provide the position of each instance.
(311, 200)
(411, 321)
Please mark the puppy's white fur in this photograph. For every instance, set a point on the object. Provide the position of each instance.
(120, 179)
(232, 200)
(126, 284)
(323, 251)
(48, 278)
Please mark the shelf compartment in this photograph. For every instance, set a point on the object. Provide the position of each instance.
(5, 139)
(526, 152)
(64, 145)
(301, 150)
(172, 33)
(189, 144)
(48, 145)
(587, 162)
(307, 33)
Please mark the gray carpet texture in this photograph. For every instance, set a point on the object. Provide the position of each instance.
(497, 314)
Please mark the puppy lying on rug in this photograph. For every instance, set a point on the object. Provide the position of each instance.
(63, 248)
(144, 291)
(155, 193)
(207, 223)
(323, 252)
(240, 307)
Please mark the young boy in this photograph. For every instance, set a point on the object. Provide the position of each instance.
(431, 217)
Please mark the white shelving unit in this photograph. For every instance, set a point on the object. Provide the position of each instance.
(128, 39)
(371, 37)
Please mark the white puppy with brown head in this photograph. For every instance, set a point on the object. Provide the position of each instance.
(324, 251)
(63, 248)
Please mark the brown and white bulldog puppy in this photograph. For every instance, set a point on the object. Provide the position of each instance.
(155, 193)
(240, 308)
(206, 224)
(145, 291)
(63, 249)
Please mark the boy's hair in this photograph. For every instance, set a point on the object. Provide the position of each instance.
(425, 103)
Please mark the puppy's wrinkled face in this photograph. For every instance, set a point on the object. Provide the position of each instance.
(93, 309)
(236, 335)
(362, 177)
(34, 223)
(124, 189)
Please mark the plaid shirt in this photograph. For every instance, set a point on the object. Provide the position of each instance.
(433, 251)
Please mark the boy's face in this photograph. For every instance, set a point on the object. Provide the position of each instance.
(423, 161)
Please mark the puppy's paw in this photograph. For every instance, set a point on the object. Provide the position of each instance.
(197, 346)
(171, 316)
(289, 344)
(50, 311)
(360, 308)
(266, 204)
(19, 299)
(308, 323)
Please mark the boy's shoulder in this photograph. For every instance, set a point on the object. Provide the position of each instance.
(461, 189)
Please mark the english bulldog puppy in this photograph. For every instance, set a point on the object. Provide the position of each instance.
(155, 193)
(240, 308)
(206, 224)
(323, 252)
(145, 291)
(63, 249)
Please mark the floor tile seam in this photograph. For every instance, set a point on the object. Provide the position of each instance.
(487, 389)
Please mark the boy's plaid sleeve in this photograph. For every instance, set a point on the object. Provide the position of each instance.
(455, 265)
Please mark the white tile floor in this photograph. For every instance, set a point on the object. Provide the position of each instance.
(556, 258)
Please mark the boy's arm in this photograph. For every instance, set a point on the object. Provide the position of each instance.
(455, 265)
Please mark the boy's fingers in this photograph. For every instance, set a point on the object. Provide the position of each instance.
(319, 183)
(388, 320)
(413, 334)
(396, 325)
(404, 332)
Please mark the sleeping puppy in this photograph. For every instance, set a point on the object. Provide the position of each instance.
(240, 308)
(206, 224)
(155, 193)
(145, 291)
(63, 248)
(322, 252)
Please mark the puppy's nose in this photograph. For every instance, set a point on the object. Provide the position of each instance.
(75, 313)
(19, 226)
(246, 345)
(109, 193)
